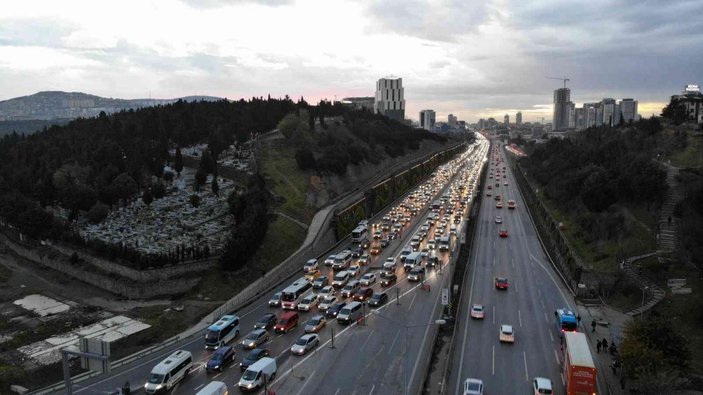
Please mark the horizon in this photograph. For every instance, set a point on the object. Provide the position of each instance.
(471, 59)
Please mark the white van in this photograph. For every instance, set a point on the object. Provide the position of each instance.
(349, 313)
(169, 372)
(214, 388)
(256, 374)
(413, 259)
(342, 260)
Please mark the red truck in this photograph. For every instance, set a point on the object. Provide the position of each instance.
(579, 369)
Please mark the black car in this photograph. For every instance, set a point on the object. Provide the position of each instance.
(356, 252)
(378, 299)
(334, 310)
(366, 243)
(385, 242)
(253, 356)
(266, 322)
(388, 280)
(220, 358)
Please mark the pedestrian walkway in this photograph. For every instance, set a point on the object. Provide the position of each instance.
(649, 289)
(610, 325)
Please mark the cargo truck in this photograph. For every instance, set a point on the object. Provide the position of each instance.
(579, 369)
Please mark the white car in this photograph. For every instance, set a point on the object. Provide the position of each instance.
(327, 291)
(275, 300)
(477, 311)
(368, 279)
(506, 334)
(305, 343)
(389, 264)
(542, 386)
(473, 387)
(310, 265)
(327, 302)
(330, 260)
(308, 302)
(340, 279)
(364, 259)
(499, 219)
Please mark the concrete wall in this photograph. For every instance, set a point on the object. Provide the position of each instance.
(55, 260)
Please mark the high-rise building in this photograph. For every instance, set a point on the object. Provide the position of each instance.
(451, 120)
(390, 98)
(562, 109)
(427, 119)
(628, 109)
(506, 119)
(518, 118)
(580, 118)
(609, 112)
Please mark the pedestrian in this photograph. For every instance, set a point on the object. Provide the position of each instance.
(593, 326)
(614, 367)
(578, 319)
(605, 345)
(598, 345)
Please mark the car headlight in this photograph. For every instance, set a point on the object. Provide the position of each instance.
(158, 387)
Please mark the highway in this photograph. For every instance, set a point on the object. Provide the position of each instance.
(535, 292)
(366, 358)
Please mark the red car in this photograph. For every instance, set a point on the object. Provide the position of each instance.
(362, 295)
(503, 233)
(501, 283)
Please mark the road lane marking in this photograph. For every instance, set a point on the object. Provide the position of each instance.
(512, 262)
(546, 319)
(550, 335)
(519, 318)
(394, 340)
(366, 341)
(215, 376)
(494, 260)
(524, 357)
(411, 302)
(542, 303)
(424, 339)
(199, 387)
(515, 287)
(494, 361)
(306, 382)
(372, 387)
(339, 389)
(556, 356)
(563, 382)
(494, 315)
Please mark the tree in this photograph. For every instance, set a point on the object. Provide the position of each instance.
(178, 165)
(200, 178)
(654, 353)
(598, 192)
(207, 162)
(194, 200)
(676, 111)
(305, 159)
(147, 197)
(123, 187)
(215, 186)
(98, 213)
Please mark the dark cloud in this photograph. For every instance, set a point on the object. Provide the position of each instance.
(427, 19)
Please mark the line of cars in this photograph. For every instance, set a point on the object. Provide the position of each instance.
(506, 332)
(341, 297)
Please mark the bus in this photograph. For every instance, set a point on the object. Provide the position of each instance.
(579, 371)
(359, 233)
(565, 321)
(291, 296)
(221, 332)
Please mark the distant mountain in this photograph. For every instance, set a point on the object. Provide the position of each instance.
(51, 105)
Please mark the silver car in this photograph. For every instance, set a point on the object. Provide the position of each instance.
(304, 344)
(255, 338)
(326, 302)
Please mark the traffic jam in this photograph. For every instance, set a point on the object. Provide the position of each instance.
(398, 249)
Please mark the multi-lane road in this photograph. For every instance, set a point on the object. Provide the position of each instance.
(534, 293)
(381, 356)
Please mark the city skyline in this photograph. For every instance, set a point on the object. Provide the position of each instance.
(237, 50)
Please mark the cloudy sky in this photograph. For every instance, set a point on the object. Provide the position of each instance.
(473, 58)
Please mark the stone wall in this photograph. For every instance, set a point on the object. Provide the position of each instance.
(54, 259)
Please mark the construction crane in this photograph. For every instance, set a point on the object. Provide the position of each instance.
(562, 78)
